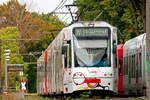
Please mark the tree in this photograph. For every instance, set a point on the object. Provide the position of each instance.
(127, 15)
(30, 27)
(15, 57)
(14, 14)
(40, 28)
(48, 34)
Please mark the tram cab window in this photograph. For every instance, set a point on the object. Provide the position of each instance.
(92, 46)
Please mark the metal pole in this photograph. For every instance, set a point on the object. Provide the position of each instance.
(148, 46)
(5, 72)
(0, 67)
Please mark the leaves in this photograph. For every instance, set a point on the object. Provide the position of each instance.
(124, 14)
(6, 36)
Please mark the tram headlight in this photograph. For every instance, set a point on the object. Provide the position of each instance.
(108, 74)
(105, 74)
(111, 74)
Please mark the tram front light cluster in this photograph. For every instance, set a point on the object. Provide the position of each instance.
(108, 74)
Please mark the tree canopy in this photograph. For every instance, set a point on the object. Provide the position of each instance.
(127, 15)
(6, 35)
(33, 31)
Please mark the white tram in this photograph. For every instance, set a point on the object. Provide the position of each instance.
(134, 65)
(83, 56)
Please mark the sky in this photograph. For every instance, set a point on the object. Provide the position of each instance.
(45, 6)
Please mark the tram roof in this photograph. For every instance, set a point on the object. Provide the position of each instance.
(137, 40)
(87, 23)
(134, 44)
(120, 46)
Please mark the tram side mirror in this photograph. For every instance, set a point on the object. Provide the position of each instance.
(67, 42)
(114, 47)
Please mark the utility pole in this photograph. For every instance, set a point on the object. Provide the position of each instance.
(5, 73)
(6, 58)
(148, 45)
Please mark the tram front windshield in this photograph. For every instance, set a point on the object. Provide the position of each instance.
(91, 47)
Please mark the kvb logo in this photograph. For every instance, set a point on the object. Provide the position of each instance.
(23, 86)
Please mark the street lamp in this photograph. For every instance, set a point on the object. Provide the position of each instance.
(6, 58)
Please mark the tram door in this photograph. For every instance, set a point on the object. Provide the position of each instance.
(120, 70)
(120, 82)
(66, 60)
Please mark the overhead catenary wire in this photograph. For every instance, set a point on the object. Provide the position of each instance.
(58, 6)
(67, 18)
(62, 5)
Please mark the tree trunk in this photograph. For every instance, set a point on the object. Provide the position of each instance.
(148, 43)
(133, 9)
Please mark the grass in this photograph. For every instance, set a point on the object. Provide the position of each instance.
(30, 97)
(82, 97)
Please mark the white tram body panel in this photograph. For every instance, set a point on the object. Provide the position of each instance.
(74, 59)
(40, 75)
(134, 71)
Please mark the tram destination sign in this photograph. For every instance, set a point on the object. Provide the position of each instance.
(95, 31)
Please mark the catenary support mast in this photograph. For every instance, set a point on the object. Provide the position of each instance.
(148, 44)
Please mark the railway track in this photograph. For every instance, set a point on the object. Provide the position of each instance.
(12, 96)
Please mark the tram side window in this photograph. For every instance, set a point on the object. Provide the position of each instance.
(114, 53)
(130, 69)
(134, 66)
(67, 57)
(70, 56)
(125, 65)
(56, 58)
(140, 65)
(120, 66)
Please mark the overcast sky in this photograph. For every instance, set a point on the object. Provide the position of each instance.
(45, 6)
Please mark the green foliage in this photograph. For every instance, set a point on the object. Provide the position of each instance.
(148, 65)
(50, 23)
(137, 98)
(127, 15)
(29, 26)
(6, 35)
(85, 94)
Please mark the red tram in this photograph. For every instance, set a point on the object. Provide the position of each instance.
(120, 70)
